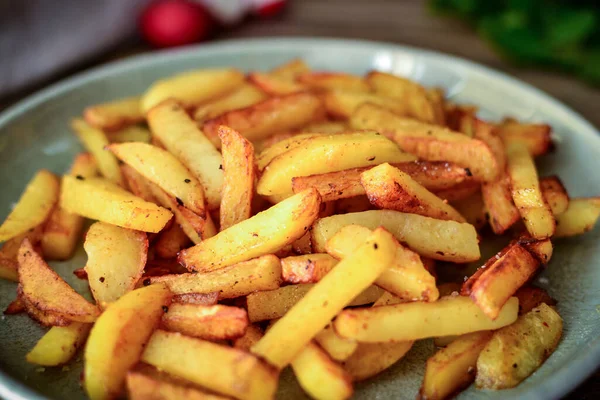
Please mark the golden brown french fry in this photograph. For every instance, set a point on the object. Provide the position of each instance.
(332, 81)
(415, 96)
(48, 292)
(429, 142)
(291, 69)
(59, 344)
(315, 310)
(45, 318)
(34, 206)
(437, 239)
(326, 127)
(205, 299)
(193, 88)
(343, 103)
(526, 193)
(280, 147)
(171, 241)
(337, 347)
(162, 168)
(499, 204)
(274, 85)
(62, 229)
(536, 137)
(452, 368)
(531, 340)
(268, 117)
(406, 278)
(113, 115)
(142, 385)
(116, 261)
(437, 98)
(95, 141)
(346, 183)
(137, 184)
(459, 192)
(104, 201)
(262, 273)
(389, 188)
(540, 249)
(369, 359)
(244, 96)
(238, 185)
(9, 252)
(181, 137)
(264, 233)
(252, 335)
(555, 194)
(500, 277)
(272, 304)
(226, 370)
(580, 217)
(455, 315)
(133, 133)
(327, 153)
(117, 340)
(319, 376)
(473, 209)
(217, 322)
(308, 268)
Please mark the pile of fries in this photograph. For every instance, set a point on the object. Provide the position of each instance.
(246, 223)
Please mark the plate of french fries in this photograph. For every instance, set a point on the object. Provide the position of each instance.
(297, 219)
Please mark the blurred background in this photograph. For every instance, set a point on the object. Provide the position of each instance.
(551, 44)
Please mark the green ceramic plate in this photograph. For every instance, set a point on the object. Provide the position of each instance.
(34, 134)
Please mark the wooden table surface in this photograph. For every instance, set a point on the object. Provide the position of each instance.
(406, 22)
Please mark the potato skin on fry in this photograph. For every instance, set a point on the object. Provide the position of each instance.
(517, 350)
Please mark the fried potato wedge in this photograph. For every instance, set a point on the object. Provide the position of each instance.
(497, 197)
(273, 304)
(48, 292)
(62, 229)
(133, 133)
(34, 206)
(452, 368)
(171, 241)
(369, 359)
(536, 137)
(454, 315)
(59, 344)
(389, 188)
(289, 335)
(276, 149)
(162, 168)
(429, 142)
(437, 239)
(193, 88)
(342, 104)
(252, 335)
(418, 103)
(319, 376)
(555, 194)
(238, 186)
(181, 137)
(9, 252)
(580, 217)
(160, 386)
(225, 370)
(116, 258)
(95, 141)
(530, 340)
(45, 318)
(499, 278)
(346, 183)
(337, 347)
(526, 193)
(115, 114)
(333, 81)
(137, 184)
(262, 273)
(263, 119)
(244, 96)
(291, 69)
(217, 322)
(274, 85)
(308, 268)
(327, 153)
(118, 337)
(406, 278)
(101, 200)
(264, 233)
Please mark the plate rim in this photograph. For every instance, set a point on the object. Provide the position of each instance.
(560, 382)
